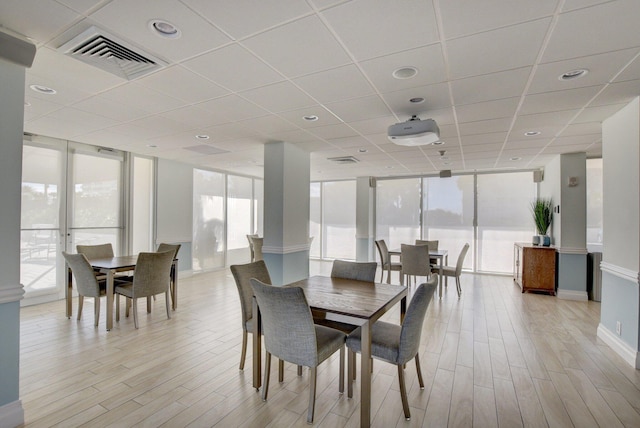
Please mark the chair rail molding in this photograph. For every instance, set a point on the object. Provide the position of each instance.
(620, 272)
(571, 250)
(286, 250)
(10, 294)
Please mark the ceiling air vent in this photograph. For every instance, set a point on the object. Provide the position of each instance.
(343, 160)
(105, 51)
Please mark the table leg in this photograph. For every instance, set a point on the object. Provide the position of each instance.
(257, 346)
(174, 284)
(68, 293)
(110, 275)
(365, 375)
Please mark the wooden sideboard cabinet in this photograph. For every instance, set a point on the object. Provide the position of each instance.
(534, 267)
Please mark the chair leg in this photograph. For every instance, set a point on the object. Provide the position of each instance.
(117, 307)
(166, 299)
(267, 370)
(420, 381)
(299, 370)
(243, 355)
(350, 372)
(341, 376)
(127, 305)
(403, 393)
(149, 304)
(458, 286)
(312, 394)
(80, 302)
(96, 310)
(280, 371)
(135, 312)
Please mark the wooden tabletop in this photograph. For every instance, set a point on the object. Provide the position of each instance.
(118, 262)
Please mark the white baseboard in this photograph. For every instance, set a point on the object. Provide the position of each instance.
(12, 415)
(572, 295)
(630, 355)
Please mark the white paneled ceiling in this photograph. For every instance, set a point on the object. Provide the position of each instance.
(245, 73)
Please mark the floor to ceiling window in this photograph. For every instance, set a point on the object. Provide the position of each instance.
(142, 204)
(448, 211)
(239, 217)
(398, 211)
(208, 220)
(332, 225)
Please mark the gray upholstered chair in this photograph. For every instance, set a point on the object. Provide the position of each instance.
(257, 248)
(101, 251)
(162, 247)
(151, 276)
(86, 282)
(360, 271)
(455, 271)
(294, 337)
(397, 344)
(433, 246)
(415, 262)
(250, 239)
(242, 274)
(385, 261)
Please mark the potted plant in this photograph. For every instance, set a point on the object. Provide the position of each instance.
(542, 211)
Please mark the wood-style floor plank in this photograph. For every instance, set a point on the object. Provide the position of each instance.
(494, 357)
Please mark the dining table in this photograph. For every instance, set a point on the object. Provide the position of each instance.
(442, 256)
(110, 267)
(355, 302)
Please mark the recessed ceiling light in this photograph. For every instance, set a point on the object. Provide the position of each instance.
(444, 158)
(532, 133)
(164, 29)
(417, 100)
(202, 137)
(446, 163)
(153, 146)
(515, 158)
(310, 118)
(437, 143)
(574, 74)
(43, 89)
(362, 150)
(389, 167)
(405, 72)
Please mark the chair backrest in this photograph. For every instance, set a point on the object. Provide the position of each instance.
(463, 254)
(86, 281)
(101, 251)
(242, 274)
(162, 247)
(413, 320)
(289, 332)
(415, 260)
(152, 273)
(257, 248)
(360, 271)
(250, 239)
(433, 245)
(383, 252)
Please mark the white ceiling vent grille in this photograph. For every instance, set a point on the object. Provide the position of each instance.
(107, 52)
(343, 160)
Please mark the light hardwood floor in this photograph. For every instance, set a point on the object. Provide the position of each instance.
(495, 357)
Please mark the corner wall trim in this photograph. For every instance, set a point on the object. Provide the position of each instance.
(11, 294)
(572, 295)
(12, 415)
(626, 352)
(620, 272)
(569, 250)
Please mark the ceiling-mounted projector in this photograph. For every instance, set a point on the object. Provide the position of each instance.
(414, 132)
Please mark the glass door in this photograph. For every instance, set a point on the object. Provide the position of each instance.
(43, 167)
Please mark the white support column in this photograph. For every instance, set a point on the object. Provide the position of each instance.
(286, 212)
(15, 54)
(365, 223)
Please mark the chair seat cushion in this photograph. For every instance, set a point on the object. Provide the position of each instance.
(125, 288)
(385, 341)
(328, 341)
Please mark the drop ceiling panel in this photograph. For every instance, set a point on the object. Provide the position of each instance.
(559, 100)
(297, 117)
(194, 117)
(428, 60)
(188, 86)
(142, 98)
(614, 93)
(267, 124)
(332, 131)
(373, 126)
(588, 31)
(38, 107)
(233, 108)
(387, 27)
(485, 52)
(597, 114)
(279, 97)
(436, 97)
(487, 110)
(197, 34)
(485, 126)
(360, 108)
(632, 71)
(300, 47)
(506, 84)
(461, 17)
(336, 84)
(495, 137)
(39, 20)
(234, 68)
(242, 18)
